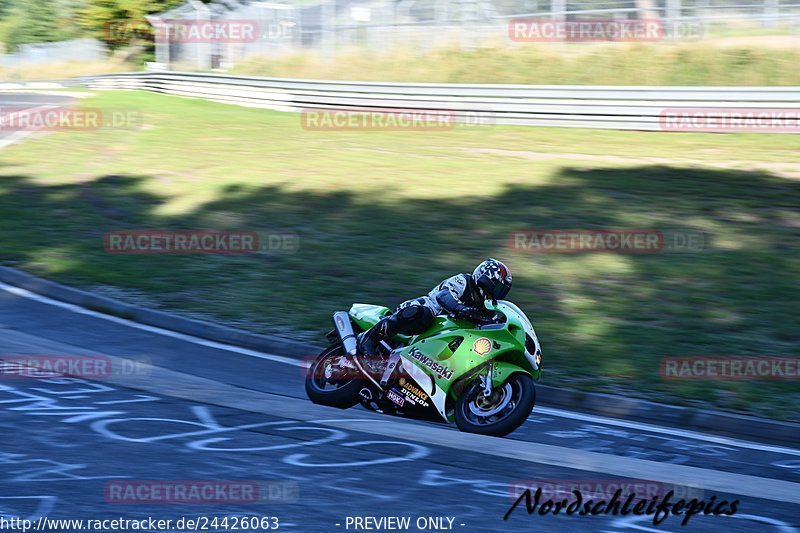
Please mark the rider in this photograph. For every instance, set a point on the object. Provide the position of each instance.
(461, 296)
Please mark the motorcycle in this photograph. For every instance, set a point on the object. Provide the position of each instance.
(480, 376)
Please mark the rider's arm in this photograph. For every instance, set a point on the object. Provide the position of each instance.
(449, 302)
(449, 297)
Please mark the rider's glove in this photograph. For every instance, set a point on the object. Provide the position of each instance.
(473, 314)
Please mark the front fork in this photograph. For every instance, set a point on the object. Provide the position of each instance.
(394, 358)
(486, 380)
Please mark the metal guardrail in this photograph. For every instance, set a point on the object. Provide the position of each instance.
(609, 107)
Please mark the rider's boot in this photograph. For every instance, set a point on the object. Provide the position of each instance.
(369, 341)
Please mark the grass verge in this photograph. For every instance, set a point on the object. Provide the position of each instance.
(383, 216)
(735, 62)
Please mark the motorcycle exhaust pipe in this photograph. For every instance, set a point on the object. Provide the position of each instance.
(341, 321)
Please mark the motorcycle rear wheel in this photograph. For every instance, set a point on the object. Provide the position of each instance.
(343, 392)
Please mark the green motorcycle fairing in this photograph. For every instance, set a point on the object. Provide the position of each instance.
(448, 356)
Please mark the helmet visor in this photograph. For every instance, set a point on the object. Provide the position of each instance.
(500, 291)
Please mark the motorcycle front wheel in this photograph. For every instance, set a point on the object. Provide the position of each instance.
(500, 413)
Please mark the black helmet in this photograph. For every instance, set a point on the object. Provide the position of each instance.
(493, 279)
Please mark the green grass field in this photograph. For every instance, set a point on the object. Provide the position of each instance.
(383, 216)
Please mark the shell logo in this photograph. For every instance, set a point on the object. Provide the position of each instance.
(482, 346)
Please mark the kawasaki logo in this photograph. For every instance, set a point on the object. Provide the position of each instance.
(437, 368)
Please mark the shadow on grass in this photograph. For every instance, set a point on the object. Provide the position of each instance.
(605, 319)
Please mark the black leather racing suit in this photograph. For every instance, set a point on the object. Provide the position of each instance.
(458, 296)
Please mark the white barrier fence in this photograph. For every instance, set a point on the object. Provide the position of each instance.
(609, 107)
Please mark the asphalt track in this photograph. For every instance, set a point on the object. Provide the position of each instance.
(195, 410)
(31, 102)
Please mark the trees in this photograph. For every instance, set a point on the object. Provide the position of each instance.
(35, 21)
(30, 21)
(98, 16)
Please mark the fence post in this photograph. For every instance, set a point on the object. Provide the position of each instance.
(328, 40)
(646, 9)
(557, 10)
(771, 10)
(203, 49)
(673, 16)
(161, 31)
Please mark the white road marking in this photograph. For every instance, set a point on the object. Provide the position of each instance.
(152, 329)
(206, 391)
(43, 92)
(294, 362)
(18, 135)
(15, 137)
(7, 102)
(563, 457)
(666, 431)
